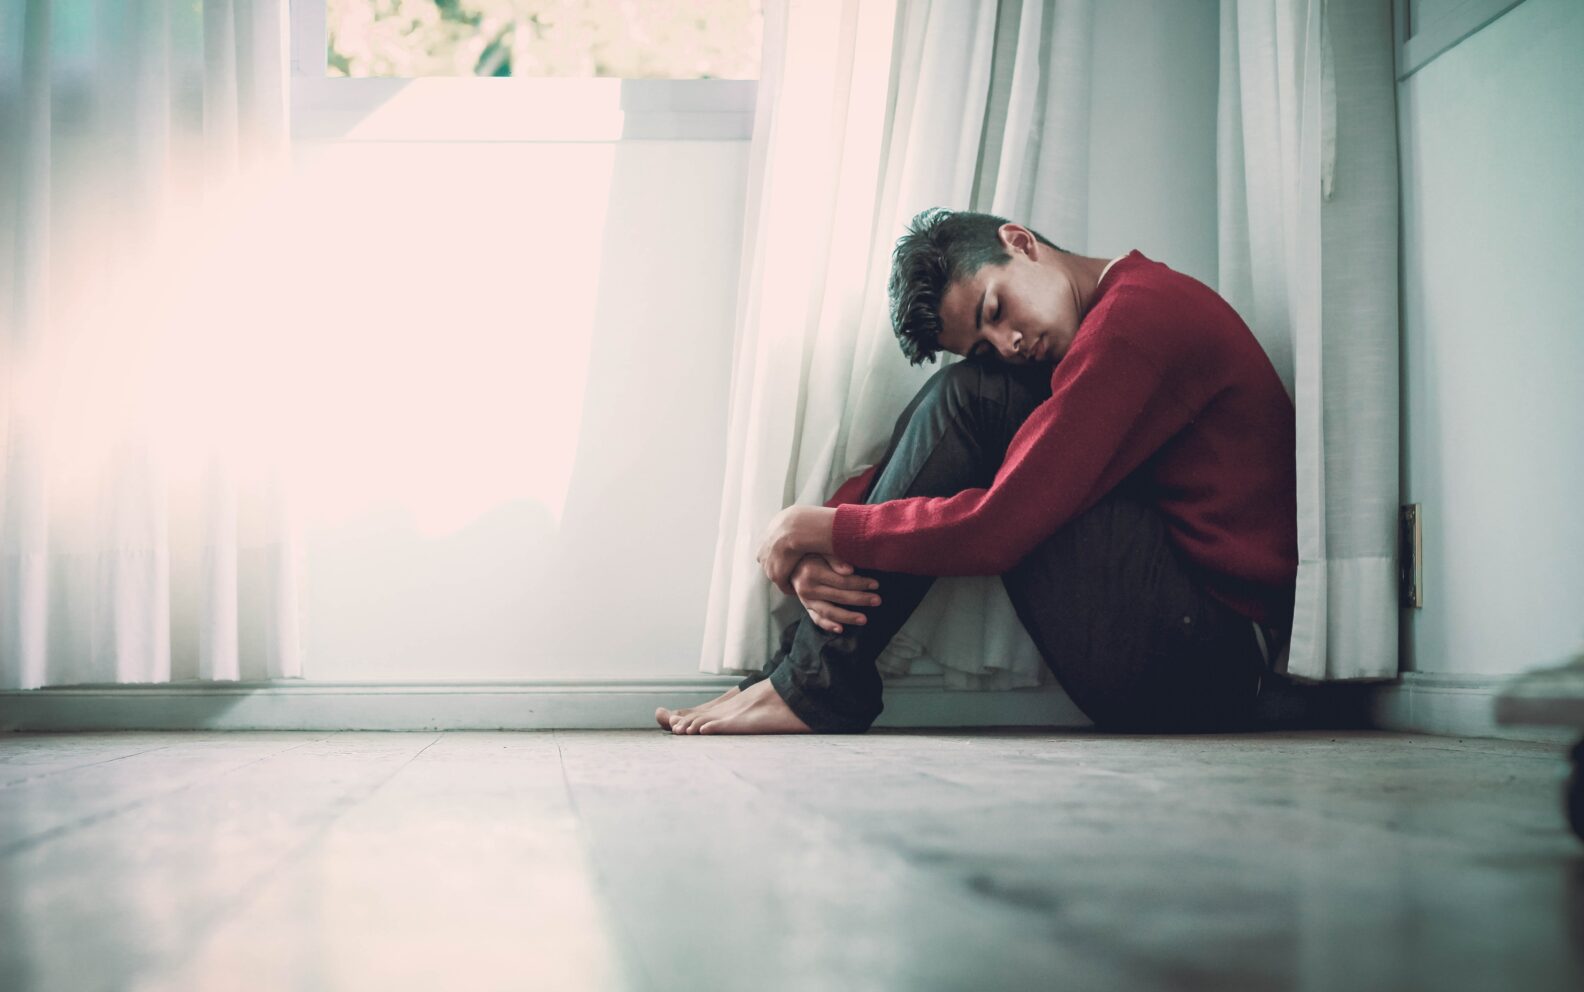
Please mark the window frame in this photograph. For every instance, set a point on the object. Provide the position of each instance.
(469, 108)
(1419, 44)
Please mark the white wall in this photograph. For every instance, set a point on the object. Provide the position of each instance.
(507, 303)
(1152, 151)
(523, 527)
(1492, 151)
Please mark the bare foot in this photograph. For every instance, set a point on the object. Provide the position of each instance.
(665, 717)
(759, 709)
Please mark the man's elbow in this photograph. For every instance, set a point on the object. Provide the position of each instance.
(999, 556)
(989, 562)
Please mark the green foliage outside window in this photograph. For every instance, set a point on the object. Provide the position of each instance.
(628, 39)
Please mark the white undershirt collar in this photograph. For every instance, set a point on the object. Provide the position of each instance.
(1108, 268)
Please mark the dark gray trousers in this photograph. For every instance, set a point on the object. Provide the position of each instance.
(1115, 612)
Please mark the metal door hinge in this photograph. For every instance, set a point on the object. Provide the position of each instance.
(1410, 558)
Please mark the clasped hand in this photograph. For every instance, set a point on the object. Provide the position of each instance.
(796, 555)
(825, 585)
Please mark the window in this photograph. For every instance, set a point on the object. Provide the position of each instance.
(701, 39)
(524, 70)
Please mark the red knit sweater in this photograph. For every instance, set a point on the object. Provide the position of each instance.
(1164, 379)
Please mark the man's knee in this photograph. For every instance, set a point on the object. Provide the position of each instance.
(965, 381)
(993, 394)
(958, 390)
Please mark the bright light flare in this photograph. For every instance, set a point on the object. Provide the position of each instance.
(406, 326)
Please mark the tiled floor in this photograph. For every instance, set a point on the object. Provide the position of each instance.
(913, 861)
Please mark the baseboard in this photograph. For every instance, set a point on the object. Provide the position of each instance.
(1454, 706)
(1427, 703)
(529, 704)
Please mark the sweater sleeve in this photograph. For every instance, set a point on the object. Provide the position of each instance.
(1111, 408)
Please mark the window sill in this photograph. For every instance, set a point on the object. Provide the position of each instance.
(467, 109)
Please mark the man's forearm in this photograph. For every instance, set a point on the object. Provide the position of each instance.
(815, 529)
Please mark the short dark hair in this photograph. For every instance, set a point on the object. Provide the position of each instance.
(940, 247)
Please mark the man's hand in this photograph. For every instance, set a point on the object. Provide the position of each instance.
(824, 584)
(793, 533)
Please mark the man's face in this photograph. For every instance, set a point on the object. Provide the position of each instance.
(1024, 312)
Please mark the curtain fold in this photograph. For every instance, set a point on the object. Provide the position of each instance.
(1307, 169)
(144, 535)
(868, 113)
(987, 105)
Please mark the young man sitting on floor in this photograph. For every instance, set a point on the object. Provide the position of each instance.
(1116, 446)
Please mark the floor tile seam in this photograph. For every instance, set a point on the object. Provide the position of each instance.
(105, 761)
(1191, 802)
(1421, 738)
(1128, 746)
(1310, 772)
(629, 948)
(761, 789)
(94, 819)
(1404, 779)
(1532, 754)
(1182, 795)
(254, 887)
(893, 758)
(89, 764)
(1354, 788)
(1450, 856)
(1292, 762)
(1234, 766)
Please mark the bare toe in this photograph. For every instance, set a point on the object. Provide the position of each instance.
(668, 718)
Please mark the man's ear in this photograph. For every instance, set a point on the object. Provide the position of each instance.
(1017, 238)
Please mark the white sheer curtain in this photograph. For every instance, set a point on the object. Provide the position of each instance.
(869, 112)
(1308, 254)
(142, 535)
